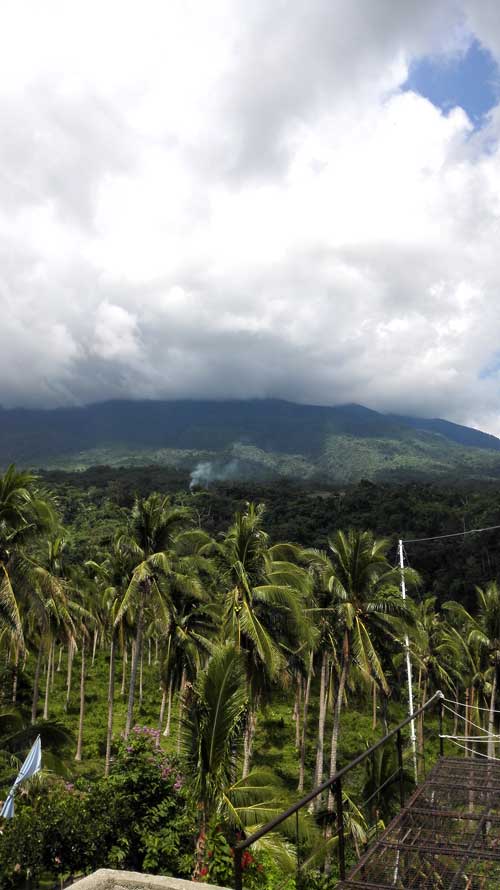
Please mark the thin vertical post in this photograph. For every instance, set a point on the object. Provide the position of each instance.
(408, 668)
(441, 739)
(340, 826)
(399, 741)
(238, 877)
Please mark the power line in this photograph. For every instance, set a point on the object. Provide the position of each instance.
(463, 704)
(472, 531)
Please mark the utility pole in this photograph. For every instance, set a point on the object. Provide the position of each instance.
(408, 668)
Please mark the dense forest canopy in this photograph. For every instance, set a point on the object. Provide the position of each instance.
(193, 658)
(308, 514)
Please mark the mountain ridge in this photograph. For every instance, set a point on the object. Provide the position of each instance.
(341, 441)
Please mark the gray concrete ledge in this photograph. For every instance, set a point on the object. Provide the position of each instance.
(113, 879)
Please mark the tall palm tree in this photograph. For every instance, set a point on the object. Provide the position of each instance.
(467, 667)
(326, 646)
(51, 608)
(215, 714)
(112, 577)
(429, 649)
(25, 510)
(364, 590)
(265, 591)
(186, 644)
(484, 632)
(85, 625)
(150, 542)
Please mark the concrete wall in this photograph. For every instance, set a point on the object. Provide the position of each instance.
(110, 879)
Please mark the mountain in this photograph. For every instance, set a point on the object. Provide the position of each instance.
(261, 438)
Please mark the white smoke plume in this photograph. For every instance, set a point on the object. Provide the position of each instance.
(206, 472)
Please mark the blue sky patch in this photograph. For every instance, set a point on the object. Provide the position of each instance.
(471, 80)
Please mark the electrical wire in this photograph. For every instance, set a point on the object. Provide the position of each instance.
(474, 753)
(462, 704)
(472, 531)
(461, 717)
(472, 738)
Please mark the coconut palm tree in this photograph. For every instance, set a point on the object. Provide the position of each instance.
(429, 650)
(483, 632)
(215, 713)
(381, 788)
(365, 595)
(25, 510)
(151, 543)
(265, 592)
(186, 644)
(468, 669)
(112, 577)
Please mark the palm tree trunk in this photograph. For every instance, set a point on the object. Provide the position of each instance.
(181, 709)
(60, 658)
(169, 708)
(133, 669)
(47, 683)
(300, 786)
(248, 740)
(156, 650)
(491, 716)
(385, 710)
(141, 669)
(457, 705)
(53, 666)
(124, 671)
(94, 647)
(420, 728)
(336, 723)
(149, 651)
(200, 845)
(473, 717)
(374, 705)
(111, 693)
(36, 685)
(15, 673)
(296, 710)
(162, 714)
(318, 776)
(69, 675)
(78, 755)
(333, 749)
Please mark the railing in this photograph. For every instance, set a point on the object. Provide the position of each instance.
(335, 785)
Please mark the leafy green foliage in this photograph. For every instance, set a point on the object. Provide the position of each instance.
(232, 618)
(140, 818)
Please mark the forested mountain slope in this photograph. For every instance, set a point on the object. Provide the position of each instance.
(248, 439)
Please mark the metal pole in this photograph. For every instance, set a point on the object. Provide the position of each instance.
(400, 767)
(238, 878)
(408, 668)
(340, 826)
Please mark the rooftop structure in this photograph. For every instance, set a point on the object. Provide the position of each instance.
(446, 837)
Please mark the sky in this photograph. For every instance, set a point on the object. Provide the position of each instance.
(287, 198)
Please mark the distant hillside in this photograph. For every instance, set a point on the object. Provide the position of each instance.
(259, 438)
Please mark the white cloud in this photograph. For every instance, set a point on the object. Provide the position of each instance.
(115, 333)
(235, 199)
